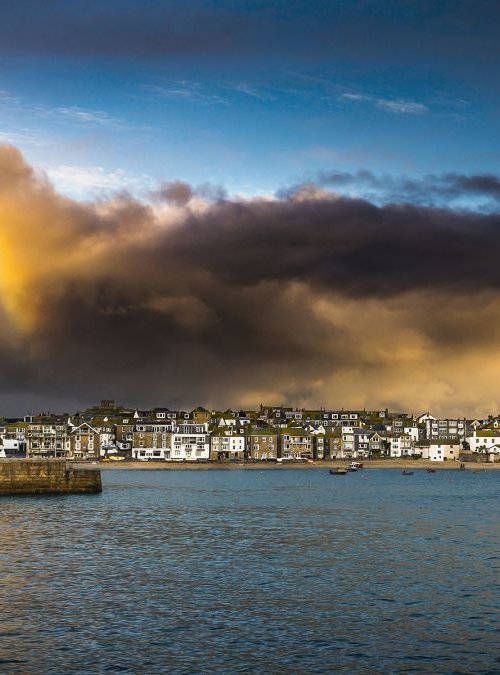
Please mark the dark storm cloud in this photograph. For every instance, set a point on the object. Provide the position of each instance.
(348, 245)
(307, 297)
(177, 192)
(180, 193)
(460, 34)
(427, 190)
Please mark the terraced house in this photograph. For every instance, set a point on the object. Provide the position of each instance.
(271, 433)
(226, 446)
(190, 442)
(296, 443)
(84, 442)
(47, 436)
(486, 440)
(262, 444)
(152, 440)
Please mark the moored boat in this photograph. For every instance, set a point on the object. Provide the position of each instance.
(407, 473)
(338, 472)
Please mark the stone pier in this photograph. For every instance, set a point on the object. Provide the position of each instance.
(46, 476)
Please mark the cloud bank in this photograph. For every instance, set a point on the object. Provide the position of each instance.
(309, 298)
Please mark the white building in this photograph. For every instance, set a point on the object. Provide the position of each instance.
(442, 450)
(12, 447)
(401, 445)
(484, 441)
(348, 444)
(190, 442)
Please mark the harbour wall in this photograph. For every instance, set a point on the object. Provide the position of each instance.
(46, 476)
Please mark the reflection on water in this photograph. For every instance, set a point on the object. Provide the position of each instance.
(273, 571)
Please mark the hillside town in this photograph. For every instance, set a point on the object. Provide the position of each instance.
(110, 432)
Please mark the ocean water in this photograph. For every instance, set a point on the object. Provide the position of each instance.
(278, 571)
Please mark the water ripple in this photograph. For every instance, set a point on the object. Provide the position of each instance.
(246, 572)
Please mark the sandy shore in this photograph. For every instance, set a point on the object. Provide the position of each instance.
(401, 464)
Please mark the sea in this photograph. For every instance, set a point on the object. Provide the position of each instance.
(249, 571)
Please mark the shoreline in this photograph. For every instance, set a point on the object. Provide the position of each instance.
(394, 464)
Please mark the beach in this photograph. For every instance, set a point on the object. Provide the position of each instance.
(401, 464)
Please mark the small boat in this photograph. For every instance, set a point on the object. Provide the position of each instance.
(338, 472)
(407, 473)
(431, 470)
(354, 466)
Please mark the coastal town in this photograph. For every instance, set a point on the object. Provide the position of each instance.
(111, 432)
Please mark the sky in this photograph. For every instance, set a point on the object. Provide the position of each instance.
(234, 203)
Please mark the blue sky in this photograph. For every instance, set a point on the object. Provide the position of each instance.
(252, 96)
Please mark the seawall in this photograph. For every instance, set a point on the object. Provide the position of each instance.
(46, 476)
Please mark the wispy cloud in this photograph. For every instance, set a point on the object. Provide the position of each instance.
(219, 93)
(393, 105)
(71, 114)
(183, 90)
(355, 97)
(249, 90)
(6, 98)
(75, 114)
(401, 107)
(24, 138)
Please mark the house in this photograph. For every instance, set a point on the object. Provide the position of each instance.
(47, 436)
(13, 439)
(401, 445)
(226, 421)
(262, 444)
(484, 440)
(124, 428)
(318, 435)
(226, 446)
(444, 449)
(11, 447)
(84, 442)
(190, 442)
(333, 443)
(366, 443)
(242, 418)
(296, 443)
(152, 440)
(348, 442)
(445, 428)
(201, 415)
